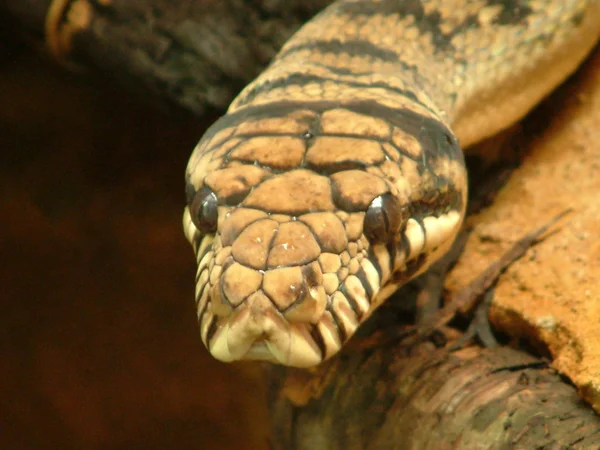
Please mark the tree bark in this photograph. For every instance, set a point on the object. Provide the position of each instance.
(199, 55)
(474, 398)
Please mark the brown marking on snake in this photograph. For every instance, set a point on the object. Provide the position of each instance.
(331, 283)
(251, 248)
(232, 184)
(328, 153)
(335, 122)
(338, 47)
(330, 262)
(362, 277)
(407, 144)
(353, 190)
(283, 286)
(328, 231)
(277, 152)
(293, 193)
(294, 245)
(343, 314)
(239, 282)
(274, 126)
(355, 291)
(312, 300)
(222, 255)
(215, 274)
(219, 304)
(236, 222)
(354, 225)
(201, 277)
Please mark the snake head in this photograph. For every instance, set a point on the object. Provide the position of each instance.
(300, 233)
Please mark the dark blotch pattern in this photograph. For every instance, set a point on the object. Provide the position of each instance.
(513, 12)
(349, 47)
(299, 79)
(316, 335)
(351, 301)
(362, 276)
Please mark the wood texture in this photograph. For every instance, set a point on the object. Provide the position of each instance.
(197, 54)
(476, 398)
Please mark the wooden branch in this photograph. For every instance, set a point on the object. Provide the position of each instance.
(198, 54)
(474, 398)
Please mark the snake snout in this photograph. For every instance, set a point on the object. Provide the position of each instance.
(272, 315)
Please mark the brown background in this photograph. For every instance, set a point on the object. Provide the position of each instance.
(99, 344)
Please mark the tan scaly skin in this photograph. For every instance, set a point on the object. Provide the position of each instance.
(337, 176)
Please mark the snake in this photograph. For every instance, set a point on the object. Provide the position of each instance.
(338, 174)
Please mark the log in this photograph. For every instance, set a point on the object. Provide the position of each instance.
(474, 398)
(196, 54)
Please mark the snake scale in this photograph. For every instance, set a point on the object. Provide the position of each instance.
(337, 175)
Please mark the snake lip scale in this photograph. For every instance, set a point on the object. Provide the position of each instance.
(337, 175)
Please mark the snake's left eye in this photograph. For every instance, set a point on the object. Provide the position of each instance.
(204, 210)
(384, 219)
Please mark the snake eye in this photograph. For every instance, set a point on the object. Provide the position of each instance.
(203, 210)
(384, 219)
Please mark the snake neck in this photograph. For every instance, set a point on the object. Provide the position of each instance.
(476, 68)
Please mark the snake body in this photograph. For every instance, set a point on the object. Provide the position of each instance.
(337, 175)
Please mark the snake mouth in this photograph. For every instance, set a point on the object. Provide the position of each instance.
(260, 352)
(284, 347)
(257, 331)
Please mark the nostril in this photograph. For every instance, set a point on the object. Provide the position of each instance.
(219, 304)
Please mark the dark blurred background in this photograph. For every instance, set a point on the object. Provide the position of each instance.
(99, 344)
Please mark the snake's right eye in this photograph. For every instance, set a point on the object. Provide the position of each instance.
(204, 210)
(384, 219)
